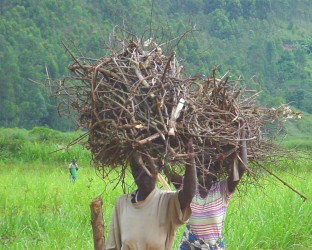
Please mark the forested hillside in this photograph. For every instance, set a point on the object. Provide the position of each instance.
(266, 42)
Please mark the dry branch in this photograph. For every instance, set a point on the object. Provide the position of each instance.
(140, 100)
(97, 223)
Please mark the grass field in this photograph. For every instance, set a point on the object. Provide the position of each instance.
(41, 209)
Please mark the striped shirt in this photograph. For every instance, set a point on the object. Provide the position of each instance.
(208, 214)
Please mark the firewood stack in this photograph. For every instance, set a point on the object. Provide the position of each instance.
(141, 101)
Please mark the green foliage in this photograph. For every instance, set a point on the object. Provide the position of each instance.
(302, 143)
(274, 212)
(220, 25)
(41, 145)
(45, 134)
(42, 209)
(264, 40)
(299, 133)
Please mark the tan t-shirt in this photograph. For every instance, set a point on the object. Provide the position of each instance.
(146, 225)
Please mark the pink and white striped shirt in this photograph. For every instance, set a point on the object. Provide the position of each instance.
(208, 214)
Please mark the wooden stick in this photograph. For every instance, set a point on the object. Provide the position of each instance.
(162, 180)
(97, 223)
(284, 182)
(167, 66)
(148, 139)
(142, 165)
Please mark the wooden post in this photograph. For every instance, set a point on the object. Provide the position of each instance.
(97, 223)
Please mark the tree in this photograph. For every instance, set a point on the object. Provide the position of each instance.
(220, 24)
(263, 8)
(233, 9)
(248, 8)
(286, 67)
(9, 79)
(212, 5)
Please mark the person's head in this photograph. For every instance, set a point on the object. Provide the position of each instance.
(207, 174)
(140, 175)
(73, 161)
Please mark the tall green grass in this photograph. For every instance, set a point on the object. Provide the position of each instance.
(41, 209)
(272, 216)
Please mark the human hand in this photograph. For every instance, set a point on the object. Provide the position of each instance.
(190, 152)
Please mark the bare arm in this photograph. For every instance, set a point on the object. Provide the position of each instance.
(174, 178)
(188, 190)
(238, 169)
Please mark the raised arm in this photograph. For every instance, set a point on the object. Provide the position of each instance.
(240, 163)
(174, 178)
(188, 190)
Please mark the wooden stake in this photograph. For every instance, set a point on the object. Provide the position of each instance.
(165, 184)
(97, 223)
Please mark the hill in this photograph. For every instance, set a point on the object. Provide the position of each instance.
(267, 43)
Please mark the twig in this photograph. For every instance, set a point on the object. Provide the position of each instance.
(284, 182)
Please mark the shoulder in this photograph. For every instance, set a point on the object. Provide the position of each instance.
(224, 190)
(122, 201)
(223, 182)
(167, 193)
(224, 185)
(219, 186)
(123, 198)
(169, 197)
(165, 196)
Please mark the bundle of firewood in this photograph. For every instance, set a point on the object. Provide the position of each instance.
(141, 101)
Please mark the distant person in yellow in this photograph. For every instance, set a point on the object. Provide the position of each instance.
(73, 168)
(149, 217)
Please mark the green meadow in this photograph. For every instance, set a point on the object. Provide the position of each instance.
(40, 208)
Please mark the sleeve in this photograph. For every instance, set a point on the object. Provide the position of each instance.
(224, 190)
(114, 237)
(178, 216)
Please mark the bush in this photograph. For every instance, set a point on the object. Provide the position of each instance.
(45, 134)
(41, 145)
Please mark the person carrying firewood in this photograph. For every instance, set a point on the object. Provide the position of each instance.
(209, 205)
(149, 218)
